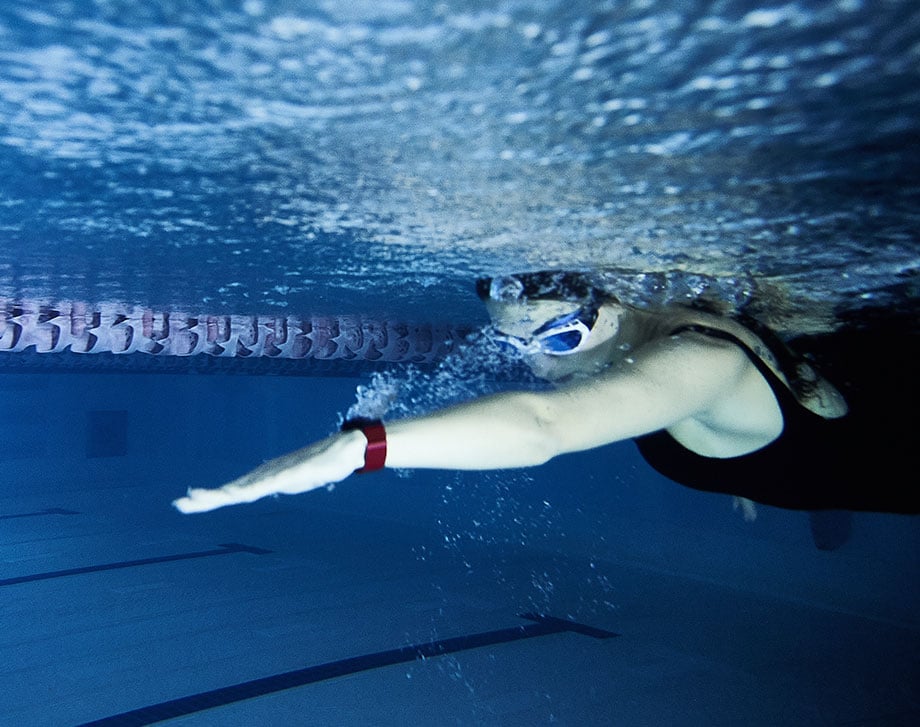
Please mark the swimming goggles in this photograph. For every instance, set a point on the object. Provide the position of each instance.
(561, 336)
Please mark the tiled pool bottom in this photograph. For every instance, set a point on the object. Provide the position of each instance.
(327, 588)
(306, 611)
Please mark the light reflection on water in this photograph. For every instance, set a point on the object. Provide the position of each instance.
(378, 156)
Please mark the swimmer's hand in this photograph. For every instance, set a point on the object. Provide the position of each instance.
(323, 463)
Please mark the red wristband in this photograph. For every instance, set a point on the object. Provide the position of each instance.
(375, 454)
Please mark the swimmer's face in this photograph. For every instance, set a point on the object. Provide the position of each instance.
(558, 339)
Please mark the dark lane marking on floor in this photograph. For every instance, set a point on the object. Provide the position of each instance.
(541, 626)
(225, 549)
(40, 513)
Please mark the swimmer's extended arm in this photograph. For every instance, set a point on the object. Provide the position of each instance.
(671, 381)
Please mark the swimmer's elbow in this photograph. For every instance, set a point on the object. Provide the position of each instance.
(543, 437)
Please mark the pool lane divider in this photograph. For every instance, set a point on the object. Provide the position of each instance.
(540, 625)
(222, 549)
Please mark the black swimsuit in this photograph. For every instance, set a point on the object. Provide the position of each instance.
(815, 463)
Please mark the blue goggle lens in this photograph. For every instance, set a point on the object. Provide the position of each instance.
(573, 329)
(562, 342)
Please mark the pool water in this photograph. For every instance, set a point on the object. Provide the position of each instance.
(192, 181)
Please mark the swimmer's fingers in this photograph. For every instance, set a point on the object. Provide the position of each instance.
(234, 493)
(202, 500)
(323, 463)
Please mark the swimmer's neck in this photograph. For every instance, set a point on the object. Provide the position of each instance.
(638, 327)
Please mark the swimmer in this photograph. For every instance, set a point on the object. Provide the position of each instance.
(712, 403)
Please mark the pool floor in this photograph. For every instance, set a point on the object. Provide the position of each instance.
(116, 618)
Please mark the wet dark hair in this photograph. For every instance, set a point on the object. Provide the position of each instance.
(560, 285)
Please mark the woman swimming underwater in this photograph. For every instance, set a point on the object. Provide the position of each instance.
(712, 404)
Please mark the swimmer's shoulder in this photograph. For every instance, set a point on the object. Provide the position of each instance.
(811, 389)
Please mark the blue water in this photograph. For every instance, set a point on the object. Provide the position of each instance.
(373, 157)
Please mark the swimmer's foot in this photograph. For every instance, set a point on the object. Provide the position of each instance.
(830, 529)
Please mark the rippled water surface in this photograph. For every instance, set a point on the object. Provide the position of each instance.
(377, 155)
